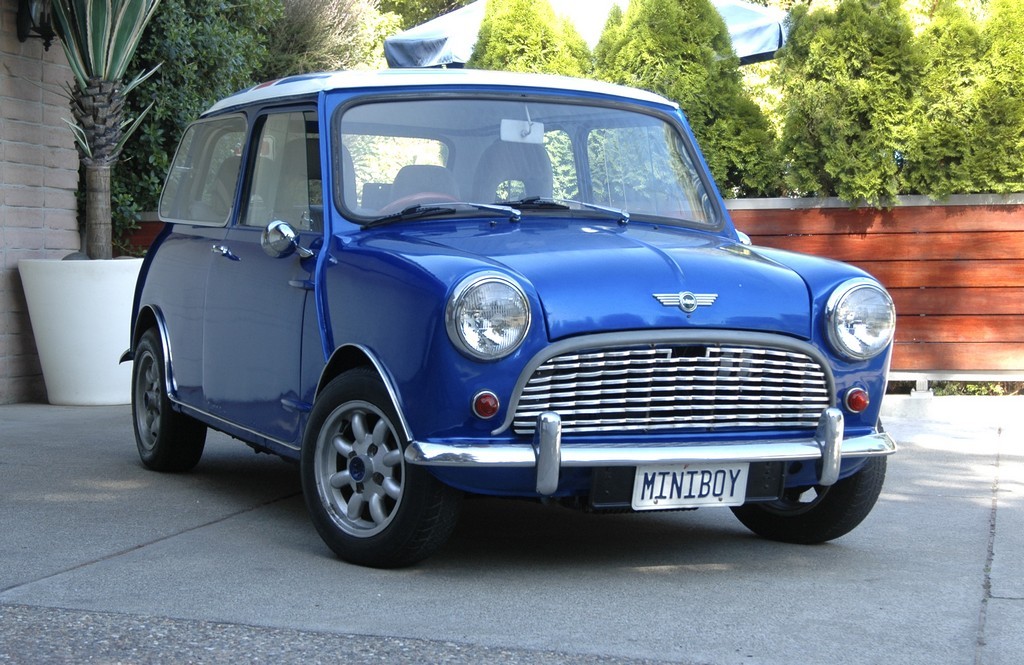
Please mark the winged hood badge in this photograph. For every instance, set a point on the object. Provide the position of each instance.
(685, 300)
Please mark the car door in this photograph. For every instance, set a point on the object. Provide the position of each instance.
(255, 303)
(198, 198)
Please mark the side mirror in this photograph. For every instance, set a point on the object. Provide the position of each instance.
(279, 240)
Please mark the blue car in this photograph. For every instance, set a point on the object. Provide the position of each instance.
(423, 285)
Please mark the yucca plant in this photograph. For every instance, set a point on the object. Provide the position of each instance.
(99, 38)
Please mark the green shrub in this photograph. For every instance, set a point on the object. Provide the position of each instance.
(941, 155)
(527, 36)
(681, 49)
(848, 78)
(206, 49)
(988, 389)
(325, 35)
(999, 132)
(611, 36)
(414, 12)
(946, 388)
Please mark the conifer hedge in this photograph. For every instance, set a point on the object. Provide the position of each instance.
(871, 111)
(681, 49)
(868, 109)
(848, 81)
(527, 36)
(999, 128)
(941, 153)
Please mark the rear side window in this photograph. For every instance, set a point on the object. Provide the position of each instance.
(203, 180)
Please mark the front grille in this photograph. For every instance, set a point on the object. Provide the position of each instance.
(676, 387)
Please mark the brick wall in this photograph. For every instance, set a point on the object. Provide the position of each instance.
(38, 180)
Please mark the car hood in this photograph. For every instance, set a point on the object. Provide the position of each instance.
(600, 278)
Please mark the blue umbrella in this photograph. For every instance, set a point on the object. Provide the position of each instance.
(757, 32)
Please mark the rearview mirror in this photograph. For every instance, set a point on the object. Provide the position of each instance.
(522, 131)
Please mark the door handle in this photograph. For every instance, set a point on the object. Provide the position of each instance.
(225, 252)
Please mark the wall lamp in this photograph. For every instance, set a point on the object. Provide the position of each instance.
(34, 21)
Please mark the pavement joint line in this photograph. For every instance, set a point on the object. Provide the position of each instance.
(135, 548)
(986, 585)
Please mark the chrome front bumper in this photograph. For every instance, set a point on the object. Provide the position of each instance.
(548, 455)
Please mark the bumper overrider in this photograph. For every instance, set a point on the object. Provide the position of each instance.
(547, 455)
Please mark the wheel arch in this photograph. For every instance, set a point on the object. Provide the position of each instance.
(352, 356)
(148, 317)
(152, 317)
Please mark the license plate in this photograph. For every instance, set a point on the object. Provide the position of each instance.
(667, 486)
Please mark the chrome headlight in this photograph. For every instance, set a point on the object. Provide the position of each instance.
(487, 316)
(860, 319)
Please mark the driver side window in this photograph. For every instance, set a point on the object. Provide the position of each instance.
(286, 176)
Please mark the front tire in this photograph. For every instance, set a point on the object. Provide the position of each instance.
(369, 505)
(811, 515)
(167, 440)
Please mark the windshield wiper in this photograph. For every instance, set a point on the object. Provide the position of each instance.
(541, 202)
(447, 208)
(412, 212)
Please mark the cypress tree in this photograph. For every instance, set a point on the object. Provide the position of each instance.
(610, 36)
(848, 78)
(527, 36)
(941, 154)
(999, 132)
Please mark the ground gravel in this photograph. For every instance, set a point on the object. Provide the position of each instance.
(47, 635)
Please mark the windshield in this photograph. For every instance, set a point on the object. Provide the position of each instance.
(542, 157)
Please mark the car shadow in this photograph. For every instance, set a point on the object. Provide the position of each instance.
(517, 533)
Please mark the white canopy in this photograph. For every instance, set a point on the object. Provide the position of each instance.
(757, 32)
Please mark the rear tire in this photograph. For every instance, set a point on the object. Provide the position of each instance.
(167, 440)
(368, 504)
(810, 515)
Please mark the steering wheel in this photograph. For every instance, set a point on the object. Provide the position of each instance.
(416, 198)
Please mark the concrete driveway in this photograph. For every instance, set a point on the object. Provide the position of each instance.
(105, 562)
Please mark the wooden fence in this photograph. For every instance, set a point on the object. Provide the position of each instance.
(955, 271)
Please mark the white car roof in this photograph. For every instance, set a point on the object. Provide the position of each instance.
(308, 84)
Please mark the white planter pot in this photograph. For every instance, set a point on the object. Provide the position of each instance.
(80, 312)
